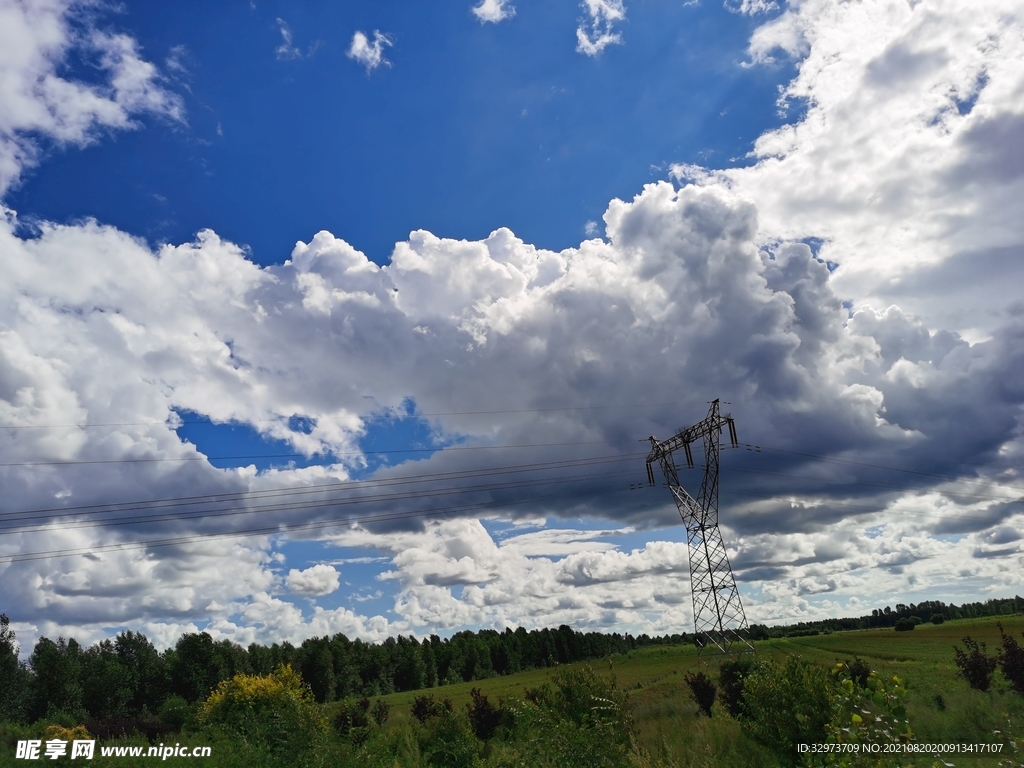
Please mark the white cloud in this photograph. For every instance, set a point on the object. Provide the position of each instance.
(36, 39)
(315, 581)
(100, 329)
(597, 31)
(494, 11)
(286, 50)
(750, 7)
(696, 292)
(370, 55)
(906, 156)
(514, 584)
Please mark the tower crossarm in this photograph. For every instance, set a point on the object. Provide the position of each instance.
(662, 450)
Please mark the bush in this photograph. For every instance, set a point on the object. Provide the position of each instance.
(484, 717)
(426, 708)
(938, 618)
(351, 720)
(703, 691)
(581, 723)
(63, 733)
(381, 711)
(859, 671)
(1011, 662)
(905, 624)
(731, 676)
(176, 713)
(868, 712)
(976, 666)
(389, 747)
(786, 706)
(450, 744)
(274, 717)
(124, 726)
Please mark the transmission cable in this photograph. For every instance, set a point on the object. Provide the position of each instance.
(268, 530)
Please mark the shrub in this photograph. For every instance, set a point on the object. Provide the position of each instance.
(123, 726)
(1011, 662)
(381, 711)
(424, 708)
(859, 671)
(450, 744)
(731, 677)
(176, 713)
(869, 713)
(63, 733)
(905, 624)
(787, 705)
(938, 618)
(703, 691)
(484, 717)
(976, 666)
(274, 716)
(351, 720)
(580, 722)
(388, 747)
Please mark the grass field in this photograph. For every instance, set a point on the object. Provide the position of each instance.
(942, 707)
(670, 733)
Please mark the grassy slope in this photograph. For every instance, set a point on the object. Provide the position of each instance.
(941, 706)
(669, 728)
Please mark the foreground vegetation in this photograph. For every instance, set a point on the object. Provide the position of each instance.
(634, 709)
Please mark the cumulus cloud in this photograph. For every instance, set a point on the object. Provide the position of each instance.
(811, 290)
(370, 55)
(679, 288)
(315, 581)
(512, 584)
(37, 103)
(494, 11)
(596, 32)
(905, 156)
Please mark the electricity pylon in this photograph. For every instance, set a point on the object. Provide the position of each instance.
(717, 612)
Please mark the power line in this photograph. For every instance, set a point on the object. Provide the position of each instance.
(90, 515)
(385, 452)
(516, 446)
(335, 418)
(855, 510)
(128, 506)
(64, 512)
(370, 518)
(35, 526)
(861, 483)
(834, 460)
(266, 530)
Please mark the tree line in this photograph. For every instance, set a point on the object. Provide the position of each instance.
(880, 618)
(126, 675)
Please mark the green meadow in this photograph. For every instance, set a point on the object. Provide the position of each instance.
(650, 719)
(669, 728)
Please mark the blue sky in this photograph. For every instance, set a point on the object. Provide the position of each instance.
(472, 126)
(370, 307)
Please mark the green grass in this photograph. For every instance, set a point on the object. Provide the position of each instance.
(941, 706)
(669, 731)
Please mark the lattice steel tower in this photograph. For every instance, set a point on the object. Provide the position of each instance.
(717, 612)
